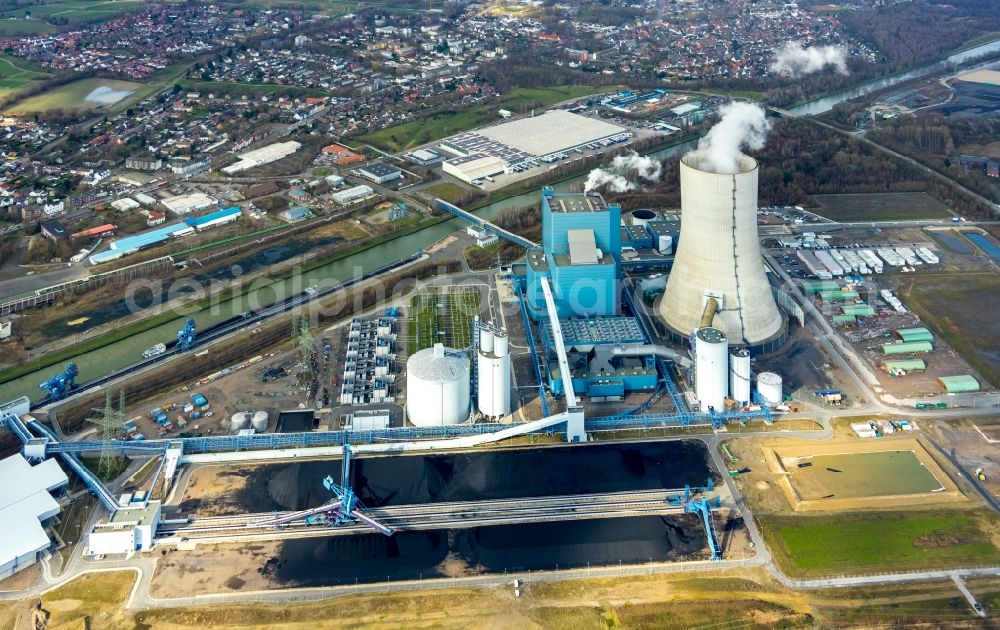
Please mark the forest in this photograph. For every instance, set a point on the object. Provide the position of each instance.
(802, 158)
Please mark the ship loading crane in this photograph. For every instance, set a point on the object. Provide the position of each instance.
(60, 385)
(702, 506)
(343, 509)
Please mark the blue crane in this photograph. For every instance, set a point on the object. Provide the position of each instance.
(343, 509)
(60, 385)
(702, 507)
(186, 335)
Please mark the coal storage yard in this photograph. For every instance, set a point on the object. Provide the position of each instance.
(370, 558)
(408, 480)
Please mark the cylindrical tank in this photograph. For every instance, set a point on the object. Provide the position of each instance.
(665, 244)
(494, 384)
(769, 388)
(500, 345)
(711, 368)
(642, 217)
(739, 375)
(259, 421)
(239, 421)
(486, 339)
(437, 385)
(719, 252)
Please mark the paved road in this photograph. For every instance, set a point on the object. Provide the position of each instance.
(960, 583)
(26, 284)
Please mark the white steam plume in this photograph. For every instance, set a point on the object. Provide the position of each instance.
(795, 60)
(743, 125)
(614, 177)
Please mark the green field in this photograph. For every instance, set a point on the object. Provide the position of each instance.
(962, 309)
(902, 206)
(440, 317)
(70, 96)
(76, 11)
(436, 126)
(12, 27)
(16, 73)
(836, 544)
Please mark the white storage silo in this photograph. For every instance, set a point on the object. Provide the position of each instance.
(259, 421)
(711, 368)
(739, 375)
(494, 378)
(769, 388)
(486, 339)
(718, 253)
(665, 244)
(239, 421)
(437, 385)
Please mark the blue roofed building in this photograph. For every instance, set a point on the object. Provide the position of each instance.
(212, 219)
(581, 256)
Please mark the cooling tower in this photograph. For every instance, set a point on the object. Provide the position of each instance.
(718, 255)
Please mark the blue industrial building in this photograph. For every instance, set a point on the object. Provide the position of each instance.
(581, 256)
(597, 371)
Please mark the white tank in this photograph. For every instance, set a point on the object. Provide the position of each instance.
(642, 217)
(711, 368)
(500, 344)
(259, 422)
(486, 339)
(665, 244)
(769, 388)
(739, 375)
(239, 421)
(719, 253)
(437, 386)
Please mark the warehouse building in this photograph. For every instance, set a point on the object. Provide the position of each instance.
(213, 219)
(959, 384)
(262, 156)
(54, 230)
(351, 195)
(907, 347)
(185, 204)
(26, 504)
(380, 172)
(497, 149)
(424, 157)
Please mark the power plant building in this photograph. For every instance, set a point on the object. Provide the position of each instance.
(719, 257)
(581, 256)
(25, 506)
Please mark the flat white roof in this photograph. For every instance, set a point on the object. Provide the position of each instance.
(550, 132)
(582, 247)
(24, 502)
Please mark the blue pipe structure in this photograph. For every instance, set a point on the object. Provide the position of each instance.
(484, 224)
(89, 479)
(703, 508)
(530, 340)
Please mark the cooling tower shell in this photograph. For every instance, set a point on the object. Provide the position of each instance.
(769, 388)
(719, 253)
(739, 375)
(711, 368)
(437, 386)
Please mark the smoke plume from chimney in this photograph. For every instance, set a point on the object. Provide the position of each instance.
(795, 60)
(743, 125)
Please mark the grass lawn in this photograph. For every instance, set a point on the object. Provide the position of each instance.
(436, 126)
(903, 206)
(836, 544)
(445, 190)
(13, 27)
(77, 11)
(962, 309)
(16, 73)
(92, 600)
(118, 466)
(72, 96)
